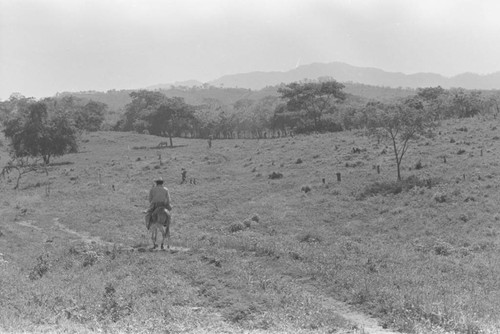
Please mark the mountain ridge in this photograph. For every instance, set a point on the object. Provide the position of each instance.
(343, 72)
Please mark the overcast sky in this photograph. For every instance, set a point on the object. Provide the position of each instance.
(49, 46)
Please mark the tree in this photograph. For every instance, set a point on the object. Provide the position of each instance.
(91, 116)
(34, 134)
(22, 165)
(400, 123)
(169, 116)
(143, 101)
(158, 114)
(435, 99)
(466, 103)
(312, 98)
(283, 119)
(15, 103)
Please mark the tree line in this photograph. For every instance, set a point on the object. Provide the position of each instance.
(50, 127)
(301, 107)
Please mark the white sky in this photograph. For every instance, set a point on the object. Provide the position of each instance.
(49, 46)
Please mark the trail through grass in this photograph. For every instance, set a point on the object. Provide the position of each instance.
(254, 254)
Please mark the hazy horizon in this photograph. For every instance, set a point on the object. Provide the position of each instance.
(49, 46)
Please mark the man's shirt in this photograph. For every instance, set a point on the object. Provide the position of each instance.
(159, 194)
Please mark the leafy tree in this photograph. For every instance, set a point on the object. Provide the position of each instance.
(400, 123)
(169, 116)
(262, 112)
(283, 119)
(15, 103)
(208, 117)
(466, 103)
(143, 101)
(431, 93)
(34, 134)
(312, 98)
(435, 99)
(91, 116)
(158, 114)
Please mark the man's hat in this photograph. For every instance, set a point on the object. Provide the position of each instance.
(159, 178)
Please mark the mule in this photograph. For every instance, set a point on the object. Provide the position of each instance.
(160, 220)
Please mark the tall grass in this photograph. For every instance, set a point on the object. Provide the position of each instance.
(394, 250)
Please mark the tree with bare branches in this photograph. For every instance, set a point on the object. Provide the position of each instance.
(400, 123)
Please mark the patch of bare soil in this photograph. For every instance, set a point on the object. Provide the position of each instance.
(365, 324)
(87, 238)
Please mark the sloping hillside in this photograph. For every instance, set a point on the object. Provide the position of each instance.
(253, 254)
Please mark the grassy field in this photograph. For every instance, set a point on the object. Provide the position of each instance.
(253, 254)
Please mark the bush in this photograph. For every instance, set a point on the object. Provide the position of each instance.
(40, 269)
(247, 223)
(396, 187)
(275, 175)
(439, 197)
(305, 189)
(309, 237)
(326, 125)
(255, 218)
(237, 226)
(443, 248)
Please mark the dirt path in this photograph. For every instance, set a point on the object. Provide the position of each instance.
(87, 238)
(365, 324)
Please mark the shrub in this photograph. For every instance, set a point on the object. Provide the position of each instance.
(439, 197)
(309, 237)
(396, 187)
(275, 175)
(90, 258)
(238, 312)
(443, 248)
(237, 226)
(354, 164)
(40, 269)
(247, 223)
(255, 218)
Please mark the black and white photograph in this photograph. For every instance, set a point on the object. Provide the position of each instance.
(250, 167)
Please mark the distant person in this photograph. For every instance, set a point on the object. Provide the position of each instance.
(158, 197)
(210, 141)
(184, 175)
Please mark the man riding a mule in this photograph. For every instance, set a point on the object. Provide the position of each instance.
(159, 197)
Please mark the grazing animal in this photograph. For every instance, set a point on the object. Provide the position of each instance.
(161, 219)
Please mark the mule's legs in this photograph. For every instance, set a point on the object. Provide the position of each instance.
(167, 233)
(162, 237)
(153, 236)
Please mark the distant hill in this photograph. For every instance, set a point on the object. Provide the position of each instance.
(188, 83)
(197, 95)
(364, 75)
